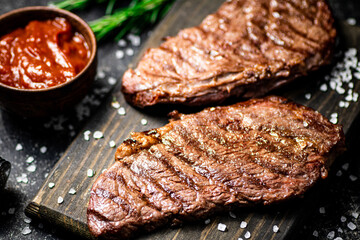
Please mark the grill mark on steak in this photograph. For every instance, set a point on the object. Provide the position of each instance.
(245, 45)
(255, 152)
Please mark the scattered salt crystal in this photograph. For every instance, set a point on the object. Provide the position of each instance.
(221, 227)
(308, 96)
(351, 85)
(339, 173)
(115, 104)
(351, 21)
(243, 224)
(121, 43)
(351, 226)
(11, 211)
(240, 238)
(348, 98)
(275, 228)
(232, 214)
(305, 124)
(60, 200)
(119, 54)
(87, 135)
(134, 39)
(30, 159)
(351, 52)
(18, 147)
(340, 230)
(355, 97)
(112, 144)
(31, 168)
(100, 74)
(340, 90)
(121, 111)
(355, 214)
(338, 238)
(22, 179)
(331, 235)
(357, 75)
(98, 135)
(27, 220)
(247, 235)
(345, 166)
(353, 178)
(43, 149)
(144, 122)
(333, 120)
(112, 80)
(26, 231)
(72, 191)
(207, 221)
(332, 85)
(129, 51)
(315, 233)
(343, 219)
(322, 210)
(90, 173)
(323, 87)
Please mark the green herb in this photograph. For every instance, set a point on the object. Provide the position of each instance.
(135, 17)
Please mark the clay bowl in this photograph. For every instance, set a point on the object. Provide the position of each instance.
(37, 103)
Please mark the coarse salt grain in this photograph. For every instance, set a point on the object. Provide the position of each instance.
(240, 238)
(121, 43)
(100, 74)
(247, 235)
(221, 227)
(207, 221)
(119, 54)
(60, 200)
(357, 75)
(339, 173)
(26, 231)
(27, 220)
(112, 80)
(18, 147)
(343, 219)
(315, 233)
(340, 230)
(351, 226)
(72, 191)
(144, 122)
(51, 185)
(115, 104)
(331, 235)
(129, 51)
(121, 111)
(323, 87)
(338, 238)
(243, 224)
(345, 166)
(308, 96)
(11, 211)
(355, 214)
(351, 21)
(305, 124)
(90, 173)
(112, 144)
(353, 178)
(31, 168)
(22, 179)
(30, 159)
(43, 149)
(333, 120)
(322, 210)
(87, 135)
(98, 135)
(232, 214)
(275, 228)
(134, 39)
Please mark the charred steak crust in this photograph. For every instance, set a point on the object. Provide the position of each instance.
(246, 48)
(256, 152)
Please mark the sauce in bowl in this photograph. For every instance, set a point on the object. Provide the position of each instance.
(42, 55)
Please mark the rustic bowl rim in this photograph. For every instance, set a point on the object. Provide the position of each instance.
(67, 14)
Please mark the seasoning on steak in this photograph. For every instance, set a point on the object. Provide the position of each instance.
(245, 49)
(256, 152)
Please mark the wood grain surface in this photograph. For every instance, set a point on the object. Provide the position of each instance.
(81, 155)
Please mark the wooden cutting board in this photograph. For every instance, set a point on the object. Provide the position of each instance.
(81, 155)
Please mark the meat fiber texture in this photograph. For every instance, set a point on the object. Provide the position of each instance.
(246, 49)
(256, 152)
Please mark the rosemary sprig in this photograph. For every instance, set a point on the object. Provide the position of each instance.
(137, 16)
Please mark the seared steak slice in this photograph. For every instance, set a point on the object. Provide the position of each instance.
(246, 48)
(255, 152)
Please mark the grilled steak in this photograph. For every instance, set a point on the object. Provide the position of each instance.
(256, 152)
(246, 48)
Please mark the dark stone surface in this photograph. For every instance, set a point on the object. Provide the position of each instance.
(338, 196)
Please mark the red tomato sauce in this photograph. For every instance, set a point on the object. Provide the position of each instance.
(41, 55)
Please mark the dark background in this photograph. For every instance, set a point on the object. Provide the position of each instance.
(338, 196)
